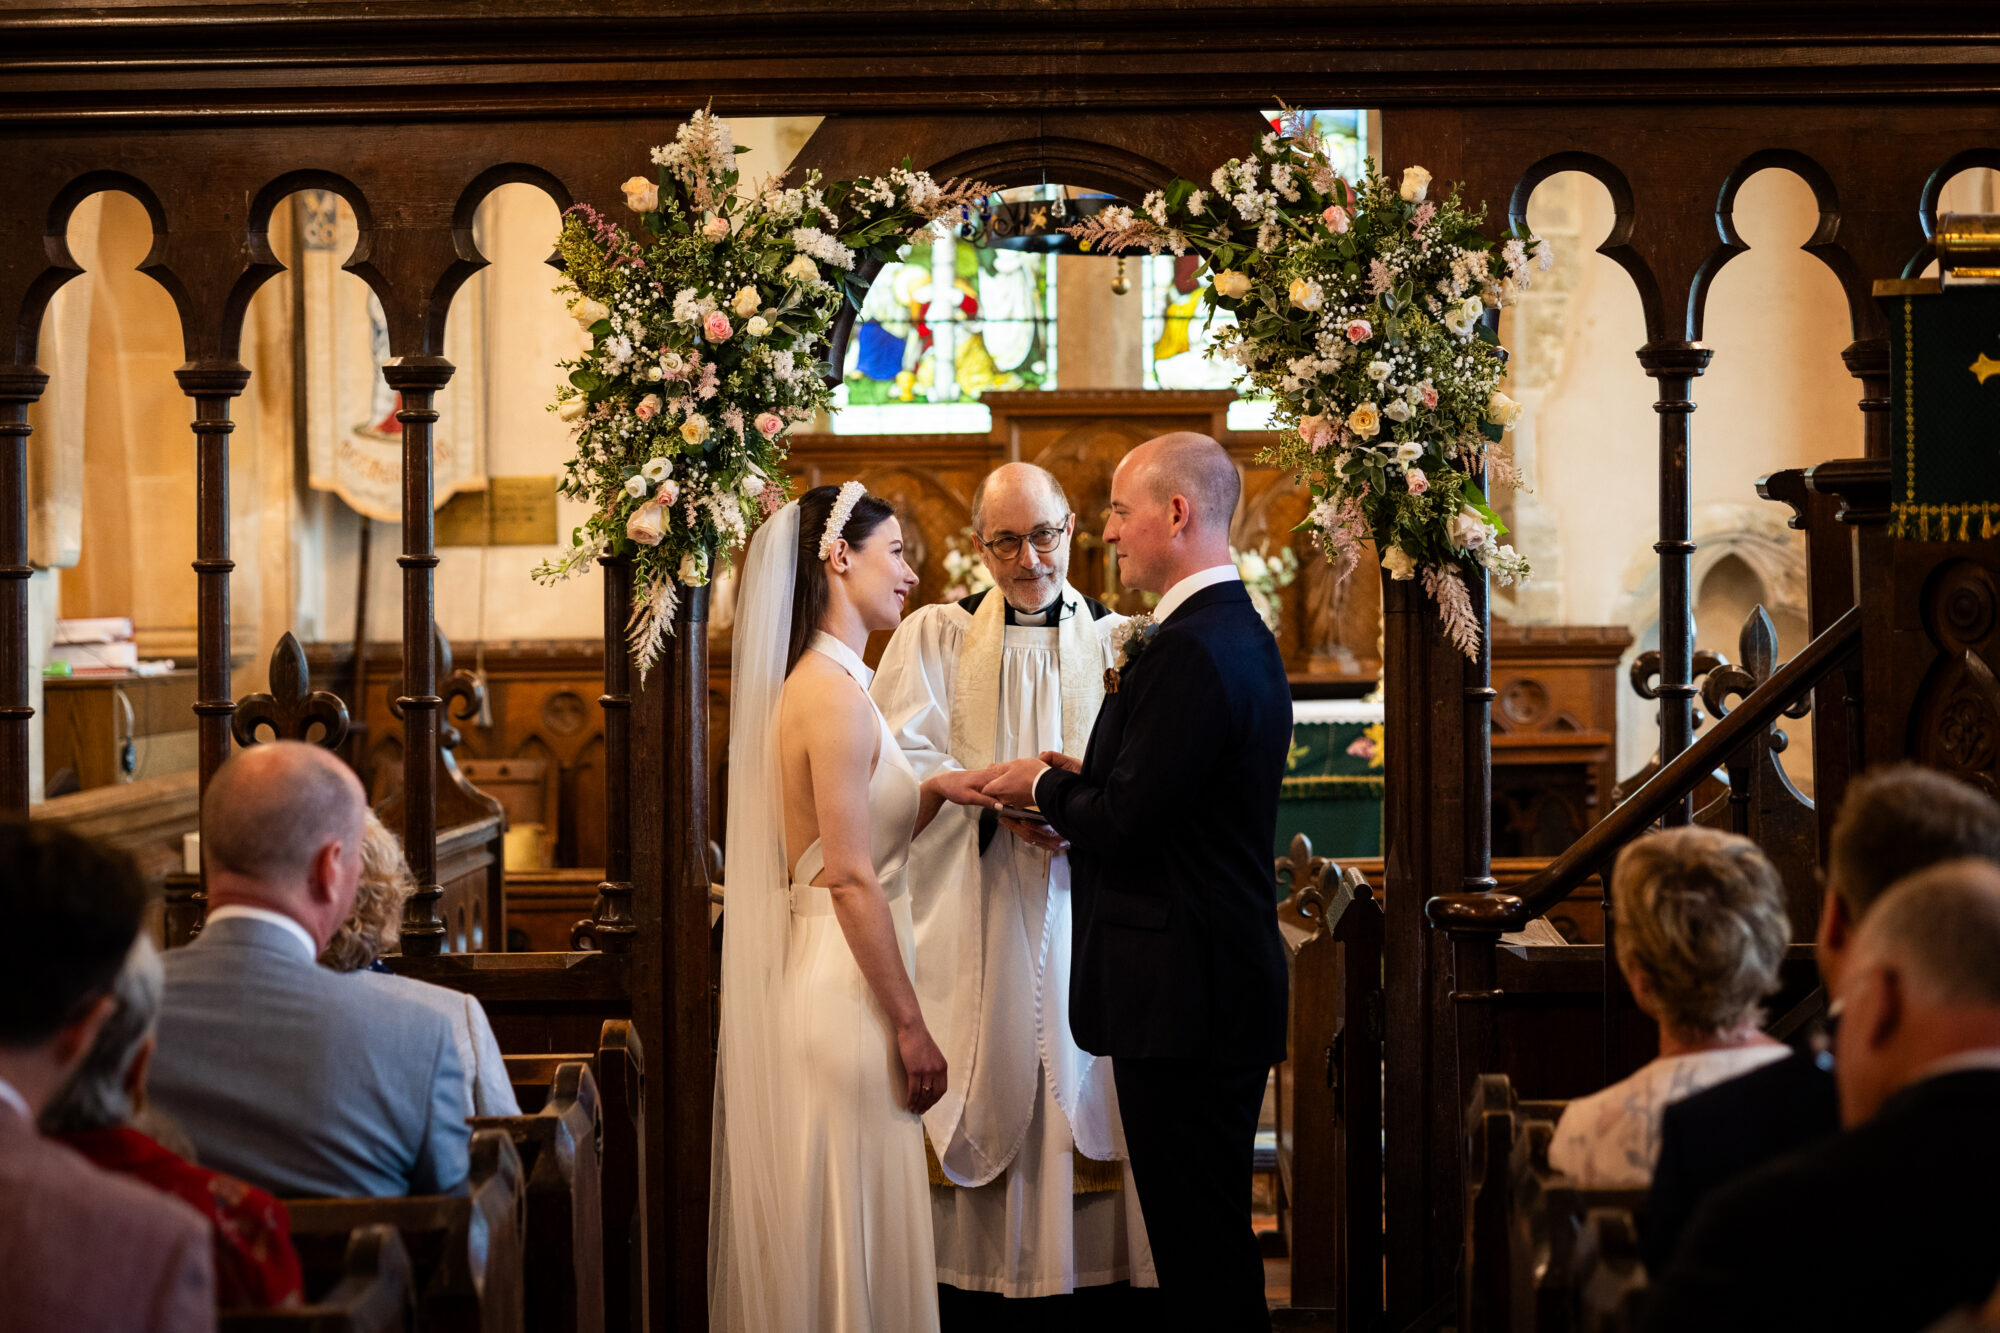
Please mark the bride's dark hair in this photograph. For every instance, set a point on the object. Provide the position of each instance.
(809, 591)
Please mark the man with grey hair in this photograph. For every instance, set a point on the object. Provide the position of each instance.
(1031, 1197)
(102, 1114)
(1890, 1224)
(297, 1078)
(1172, 809)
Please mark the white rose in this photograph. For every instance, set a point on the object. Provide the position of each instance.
(757, 326)
(635, 486)
(1502, 410)
(717, 229)
(802, 269)
(587, 312)
(1416, 184)
(1232, 285)
(1305, 294)
(694, 570)
(1397, 410)
(1468, 530)
(573, 408)
(1365, 421)
(746, 302)
(648, 523)
(671, 364)
(658, 469)
(1402, 566)
(1409, 453)
(753, 482)
(641, 195)
(1378, 371)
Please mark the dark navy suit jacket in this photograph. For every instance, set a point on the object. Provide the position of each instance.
(1171, 825)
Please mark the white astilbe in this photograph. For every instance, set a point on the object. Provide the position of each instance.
(702, 152)
(572, 562)
(1454, 601)
(652, 620)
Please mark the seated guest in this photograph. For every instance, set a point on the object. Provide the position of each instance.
(294, 1077)
(1893, 822)
(374, 928)
(80, 1248)
(254, 1260)
(1891, 1224)
(1701, 928)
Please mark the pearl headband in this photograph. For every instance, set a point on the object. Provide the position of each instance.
(836, 518)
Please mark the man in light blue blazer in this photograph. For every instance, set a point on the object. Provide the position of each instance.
(297, 1078)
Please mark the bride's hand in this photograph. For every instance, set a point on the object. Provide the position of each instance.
(963, 787)
(923, 1063)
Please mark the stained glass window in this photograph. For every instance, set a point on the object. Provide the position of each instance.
(989, 315)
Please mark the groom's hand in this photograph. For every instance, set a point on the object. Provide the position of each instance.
(1057, 759)
(1035, 835)
(1014, 783)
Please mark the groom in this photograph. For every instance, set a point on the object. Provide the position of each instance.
(1179, 973)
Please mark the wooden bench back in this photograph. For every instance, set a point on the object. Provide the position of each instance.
(561, 1148)
(375, 1293)
(465, 1250)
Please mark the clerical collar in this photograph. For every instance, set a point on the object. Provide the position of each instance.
(1054, 613)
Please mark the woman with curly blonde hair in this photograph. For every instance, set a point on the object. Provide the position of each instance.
(1700, 928)
(374, 928)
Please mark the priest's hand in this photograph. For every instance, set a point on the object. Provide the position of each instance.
(1035, 835)
(963, 786)
(923, 1065)
(1013, 783)
(1057, 759)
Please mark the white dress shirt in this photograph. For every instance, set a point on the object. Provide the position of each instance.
(279, 919)
(11, 1096)
(1189, 586)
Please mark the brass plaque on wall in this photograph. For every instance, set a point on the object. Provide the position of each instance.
(511, 511)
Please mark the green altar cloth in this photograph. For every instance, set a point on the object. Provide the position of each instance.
(1944, 395)
(1332, 790)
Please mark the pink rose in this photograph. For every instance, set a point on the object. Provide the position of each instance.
(669, 491)
(1359, 330)
(648, 408)
(769, 424)
(1335, 219)
(717, 327)
(717, 229)
(648, 523)
(1427, 393)
(1417, 481)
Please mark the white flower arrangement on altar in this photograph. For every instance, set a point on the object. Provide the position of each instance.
(965, 573)
(1360, 311)
(708, 327)
(1264, 574)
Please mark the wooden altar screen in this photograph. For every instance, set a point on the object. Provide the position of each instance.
(210, 115)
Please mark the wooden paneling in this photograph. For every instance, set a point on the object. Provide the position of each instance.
(1555, 733)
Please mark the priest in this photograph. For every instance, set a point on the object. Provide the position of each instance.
(1031, 1194)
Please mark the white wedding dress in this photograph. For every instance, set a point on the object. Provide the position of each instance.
(820, 1211)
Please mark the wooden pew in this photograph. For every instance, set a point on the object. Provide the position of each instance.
(1543, 1254)
(560, 1146)
(618, 1068)
(375, 1293)
(1329, 1107)
(465, 1250)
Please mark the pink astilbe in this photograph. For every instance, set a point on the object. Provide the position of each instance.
(1112, 237)
(732, 419)
(1380, 279)
(1501, 470)
(1454, 600)
(1340, 529)
(1422, 217)
(709, 381)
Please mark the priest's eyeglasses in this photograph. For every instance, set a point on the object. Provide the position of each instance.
(1008, 547)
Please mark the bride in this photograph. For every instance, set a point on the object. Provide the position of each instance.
(819, 1202)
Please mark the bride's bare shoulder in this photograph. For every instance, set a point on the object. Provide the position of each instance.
(819, 699)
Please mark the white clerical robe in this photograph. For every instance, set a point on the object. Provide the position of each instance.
(992, 970)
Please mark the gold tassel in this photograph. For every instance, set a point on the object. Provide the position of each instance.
(1965, 526)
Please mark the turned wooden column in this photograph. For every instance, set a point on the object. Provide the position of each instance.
(1868, 361)
(20, 386)
(212, 384)
(610, 926)
(672, 999)
(417, 380)
(1675, 365)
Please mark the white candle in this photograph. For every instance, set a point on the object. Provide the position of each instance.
(191, 853)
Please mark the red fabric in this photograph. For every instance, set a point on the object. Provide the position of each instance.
(255, 1263)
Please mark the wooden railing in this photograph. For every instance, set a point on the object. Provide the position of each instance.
(1475, 921)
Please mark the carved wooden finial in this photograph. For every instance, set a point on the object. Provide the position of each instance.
(464, 686)
(292, 706)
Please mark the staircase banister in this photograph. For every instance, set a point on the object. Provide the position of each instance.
(1497, 913)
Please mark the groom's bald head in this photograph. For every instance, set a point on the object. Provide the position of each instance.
(1171, 502)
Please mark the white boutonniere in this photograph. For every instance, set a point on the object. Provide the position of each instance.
(1128, 641)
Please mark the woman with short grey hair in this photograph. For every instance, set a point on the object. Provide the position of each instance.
(95, 1114)
(1701, 928)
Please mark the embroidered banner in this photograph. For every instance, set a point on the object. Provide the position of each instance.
(1944, 358)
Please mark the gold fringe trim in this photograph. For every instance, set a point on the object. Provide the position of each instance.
(1090, 1176)
(1347, 784)
(1933, 523)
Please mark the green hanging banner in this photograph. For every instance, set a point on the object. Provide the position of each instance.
(1944, 362)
